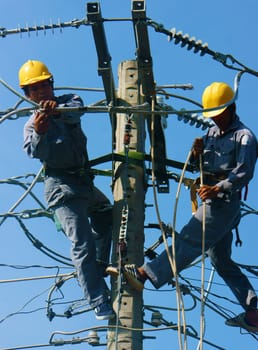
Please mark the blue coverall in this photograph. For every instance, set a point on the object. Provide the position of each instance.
(70, 192)
(228, 161)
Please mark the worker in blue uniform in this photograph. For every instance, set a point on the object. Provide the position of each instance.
(228, 154)
(83, 211)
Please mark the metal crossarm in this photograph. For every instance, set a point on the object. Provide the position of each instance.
(143, 47)
(144, 60)
(104, 59)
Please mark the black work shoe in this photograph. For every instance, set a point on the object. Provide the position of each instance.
(104, 311)
(131, 274)
(240, 321)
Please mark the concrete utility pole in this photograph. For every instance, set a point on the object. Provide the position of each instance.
(128, 225)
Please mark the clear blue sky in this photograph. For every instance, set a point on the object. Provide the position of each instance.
(228, 27)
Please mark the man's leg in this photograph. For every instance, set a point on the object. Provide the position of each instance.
(73, 217)
(220, 255)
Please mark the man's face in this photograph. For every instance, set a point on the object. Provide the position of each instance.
(223, 120)
(41, 91)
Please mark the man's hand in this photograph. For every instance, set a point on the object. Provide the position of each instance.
(41, 123)
(49, 107)
(208, 192)
(197, 147)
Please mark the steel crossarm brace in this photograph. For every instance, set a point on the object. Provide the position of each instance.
(143, 47)
(145, 67)
(121, 158)
(104, 59)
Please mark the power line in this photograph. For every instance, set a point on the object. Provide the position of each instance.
(145, 108)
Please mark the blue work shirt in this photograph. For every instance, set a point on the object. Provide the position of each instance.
(232, 154)
(64, 144)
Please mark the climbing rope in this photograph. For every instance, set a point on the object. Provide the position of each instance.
(173, 262)
(203, 256)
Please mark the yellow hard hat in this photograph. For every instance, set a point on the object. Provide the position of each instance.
(32, 72)
(215, 95)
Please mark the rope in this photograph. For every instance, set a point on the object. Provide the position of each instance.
(202, 319)
(204, 300)
(119, 298)
(173, 267)
(173, 263)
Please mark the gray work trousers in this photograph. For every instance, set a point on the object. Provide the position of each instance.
(76, 203)
(221, 217)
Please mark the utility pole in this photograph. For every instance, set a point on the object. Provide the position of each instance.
(128, 133)
(128, 225)
(136, 85)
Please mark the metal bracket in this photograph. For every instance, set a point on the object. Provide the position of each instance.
(143, 47)
(104, 59)
(144, 60)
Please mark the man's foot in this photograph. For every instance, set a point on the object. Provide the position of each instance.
(112, 271)
(133, 277)
(131, 274)
(102, 267)
(104, 311)
(240, 321)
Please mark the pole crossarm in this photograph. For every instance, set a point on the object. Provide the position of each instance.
(121, 158)
(143, 47)
(104, 59)
(146, 76)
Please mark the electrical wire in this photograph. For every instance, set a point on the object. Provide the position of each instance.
(202, 319)
(173, 264)
(15, 205)
(157, 209)
(185, 41)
